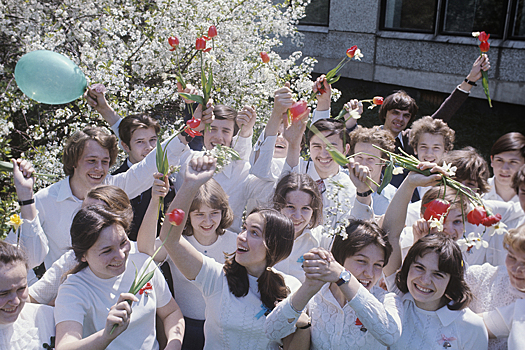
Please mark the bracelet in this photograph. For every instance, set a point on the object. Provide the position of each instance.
(307, 326)
(27, 202)
(364, 194)
(186, 136)
(293, 308)
(473, 83)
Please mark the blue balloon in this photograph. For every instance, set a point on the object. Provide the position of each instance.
(49, 77)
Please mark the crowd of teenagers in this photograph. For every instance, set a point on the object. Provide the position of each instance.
(276, 250)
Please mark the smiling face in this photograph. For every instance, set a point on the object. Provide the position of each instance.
(281, 145)
(515, 263)
(430, 147)
(93, 165)
(205, 222)
(251, 250)
(371, 162)
(426, 283)
(142, 141)
(13, 290)
(107, 257)
(220, 133)
(323, 162)
(367, 265)
(396, 120)
(505, 165)
(298, 209)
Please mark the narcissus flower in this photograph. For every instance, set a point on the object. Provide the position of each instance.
(176, 216)
(264, 57)
(15, 221)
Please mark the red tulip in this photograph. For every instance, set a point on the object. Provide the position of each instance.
(176, 216)
(207, 50)
(491, 220)
(476, 215)
(193, 123)
(484, 46)
(212, 32)
(193, 133)
(378, 100)
(351, 51)
(483, 36)
(173, 41)
(297, 109)
(436, 209)
(264, 57)
(200, 44)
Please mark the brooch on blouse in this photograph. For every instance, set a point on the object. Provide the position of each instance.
(264, 312)
(51, 344)
(446, 341)
(359, 323)
(146, 289)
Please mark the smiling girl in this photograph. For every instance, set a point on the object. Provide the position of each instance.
(435, 299)
(240, 292)
(349, 312)
(100, 282)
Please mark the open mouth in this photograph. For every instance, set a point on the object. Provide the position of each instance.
(117, 265)
(10, 311)
(95, 177)
(423, 290)
(365, 283)
(242, 249)
(324, 161)
(206, 228)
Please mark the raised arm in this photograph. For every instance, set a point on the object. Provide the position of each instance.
(183, 254)
(294, 134)
(147, 242)
(96, 98)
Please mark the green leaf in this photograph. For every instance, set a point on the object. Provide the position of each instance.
(142, 282)
(485, 83)
(387, 177)
(6, 166)
(181, 81)
(191, 97)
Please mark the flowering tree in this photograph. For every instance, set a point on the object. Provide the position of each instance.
(123, 45)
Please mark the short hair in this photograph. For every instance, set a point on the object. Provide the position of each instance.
(435, 127)
(304, 183)
(86, 227)
(375, 135)
(115, 199)
(10, 254)
(515, 239)
(333, 126)
(222, 112)
(76, 143)
(133, 122)
(512, 141)
(398, 100)
(360, 234)
(211, 195)
(450, 261)
(518, 179)
(456, 200)
(470, 166)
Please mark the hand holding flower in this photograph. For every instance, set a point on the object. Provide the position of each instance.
(119, 316)
(160, 186)
(324, 93)
(283, 100)
(481, 63)
(246, 119)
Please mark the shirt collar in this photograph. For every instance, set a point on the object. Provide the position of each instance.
(64, 191)
(445, 315)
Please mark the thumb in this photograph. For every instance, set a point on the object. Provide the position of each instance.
(287, 84)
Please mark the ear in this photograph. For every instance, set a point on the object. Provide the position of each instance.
(491, 161)
(126, 148)
(83, 258)
(347, 148)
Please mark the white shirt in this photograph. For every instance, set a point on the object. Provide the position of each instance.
(87, 299)
(45, 290)
(345, 193)
(491, 288)
(232, 178)
(33, 328)
(508, 321)
(233, 323)
(381, 201)
(186, 294)
(335, 328)
(56, 206)
(422, 329)
(309, 239)
(493, 195)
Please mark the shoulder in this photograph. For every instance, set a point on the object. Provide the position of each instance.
(39, 313)
(468, 320)
(53, 190)
(227, 239)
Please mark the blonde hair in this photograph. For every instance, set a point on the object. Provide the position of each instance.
(515, 238)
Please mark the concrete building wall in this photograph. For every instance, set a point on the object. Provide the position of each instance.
(421, 61)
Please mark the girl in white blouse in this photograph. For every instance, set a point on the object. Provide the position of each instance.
(435, 299)
(349, 312)
(23, 326)
(101, 281)
(242, 291)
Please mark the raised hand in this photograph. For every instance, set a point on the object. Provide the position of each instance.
(246, 120)
(200, 170)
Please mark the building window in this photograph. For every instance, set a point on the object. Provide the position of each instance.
(501, 18)
(317, 13)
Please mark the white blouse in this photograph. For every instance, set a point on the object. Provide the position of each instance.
(491, 288)
(371, 320)
(508, 321)
(231, 322)
(33, 328)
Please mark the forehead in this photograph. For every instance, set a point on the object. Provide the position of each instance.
(372, 251)
(255, 220)
(334, 138)
(403, 112)
(12, 274)
(430, 260)
(367, 148)
(143, 133)
(205, 209)
(510, 155)
(93, 149)
(518, 254)
(223, 123)
(110, 235)
(431, 139)
(298, 197)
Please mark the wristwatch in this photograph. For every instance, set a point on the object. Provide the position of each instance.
(344, 277)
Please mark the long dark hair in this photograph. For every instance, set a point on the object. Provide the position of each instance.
(278, 239)
(86, 227)
(450, 261)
